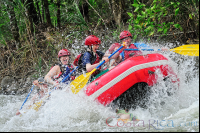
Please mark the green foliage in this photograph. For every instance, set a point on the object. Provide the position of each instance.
(4, 25)
(37, 51)
(73, 16)
(147, 21)
(93, 2)
(116, 34)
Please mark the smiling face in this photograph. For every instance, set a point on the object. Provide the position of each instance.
(64, 60)
(95, 48)
(127, 40)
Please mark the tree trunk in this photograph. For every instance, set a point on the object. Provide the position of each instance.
(58, 13)
(84, 9)
(117, 11)
(38, 9)
(13, 23)
(46, 6)
(32, 14)
(43, 9)
(32, 11)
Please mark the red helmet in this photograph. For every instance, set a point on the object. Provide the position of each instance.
(63, 52)
(113, 46)
(125, 34)
(92, 40)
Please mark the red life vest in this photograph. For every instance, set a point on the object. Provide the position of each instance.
(97, 59)
(75, 63)
(128, 54)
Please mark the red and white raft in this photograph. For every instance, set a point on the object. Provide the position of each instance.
(140, 69)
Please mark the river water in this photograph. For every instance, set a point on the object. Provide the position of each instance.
(65, 111)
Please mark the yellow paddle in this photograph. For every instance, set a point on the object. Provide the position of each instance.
(77, 84)
(37, 105)
(190, 50)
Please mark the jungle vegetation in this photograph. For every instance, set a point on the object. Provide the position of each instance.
(33, 31)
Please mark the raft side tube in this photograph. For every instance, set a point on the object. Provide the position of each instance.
(131, 71)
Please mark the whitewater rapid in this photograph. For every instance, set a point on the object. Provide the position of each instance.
(65, 111)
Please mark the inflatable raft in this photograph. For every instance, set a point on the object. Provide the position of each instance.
(125, 79)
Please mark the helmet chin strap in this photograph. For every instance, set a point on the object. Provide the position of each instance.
(90, 49)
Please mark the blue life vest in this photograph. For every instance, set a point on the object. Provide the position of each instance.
(64, 71)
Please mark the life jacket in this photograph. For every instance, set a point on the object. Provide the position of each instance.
(94, 59)
(130, 52)
(64, 71)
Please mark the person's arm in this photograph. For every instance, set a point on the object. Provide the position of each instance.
(53, 72)
(164, 49)
(116, 55)
(90, 67)
(35, 82)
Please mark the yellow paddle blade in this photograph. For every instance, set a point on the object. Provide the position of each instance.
(37, 105)
(190, 50)
(80, 82)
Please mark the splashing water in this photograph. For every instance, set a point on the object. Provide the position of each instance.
(65, 111)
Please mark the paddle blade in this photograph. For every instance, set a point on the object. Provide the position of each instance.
(80, 82)
(190, 50)
(37, 105)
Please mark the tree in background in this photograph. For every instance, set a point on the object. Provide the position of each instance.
(24, 23)
(84, 9)
(47, 13)
(58, 13)
(13, 22)
(147, 18)
(31, 13)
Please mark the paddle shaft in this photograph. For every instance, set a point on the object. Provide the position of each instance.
(109, 56)
(141, 49)
(27, 97)
(189, 50)
(65, 78)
